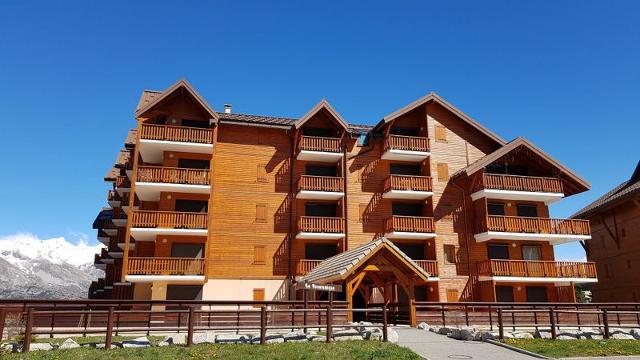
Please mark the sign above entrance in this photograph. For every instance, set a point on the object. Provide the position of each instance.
(318, 287)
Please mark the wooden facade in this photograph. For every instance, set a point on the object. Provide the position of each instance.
(260, 201)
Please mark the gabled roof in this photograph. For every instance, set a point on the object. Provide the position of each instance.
(513, 145)
(151, 98)
(620, 193)
(112, 174)
(436, 98)
(323, 104)
(130, 141)
(340, 266)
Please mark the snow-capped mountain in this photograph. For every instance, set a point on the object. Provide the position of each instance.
(41, 269)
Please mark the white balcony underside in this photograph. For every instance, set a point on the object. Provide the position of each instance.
(99, 266)
(149, 234)
(409, 235)
(152, 151)
(147, 191)
(131, 246)
(321, 156)
(170, 278)
(104, 239)
(108, 261)
(538, 279)
(122, 190)
(110, 232)
(114, 203)
(407, 194)
(319, 195)
(119, 222)
(551, 238)
(547, 197)
(319, 236)
(405, 155)
(115, 254)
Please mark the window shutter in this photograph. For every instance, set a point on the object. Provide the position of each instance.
(450, 254)
(362, 208)
(259, 255)
(262, 173)
(258, 295)
(261, 213)
(441, 133)
(452, 295)
(443, 172)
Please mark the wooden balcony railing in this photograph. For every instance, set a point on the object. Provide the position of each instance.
(407, 183)
(304, 266)
(527, 268)
(165, 266)
(518, 183)
(519, 224)
(399, 223)
(430, 266)
(321, 224)
(159, 174)
(321, 183)
(122, 181)
(176, 133)
(408, 143)
(318, 143)
(169, 219)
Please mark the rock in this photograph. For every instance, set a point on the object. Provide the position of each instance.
(181, 338)
(522, 335)
(542, 334)
(392, 336)
(40, 347)
(295, 336)
(232, 339)
(317, 338)
(488, 335)
(445, 330)
(68, 344)
(8, 348)
(508, 335)
(351, 334)
(435, 329)
(364, 325)
(423, 326)
(103, 346)
(163, 343)
(373, 334)
(619, 335)
(141, 342)
(269, 339)
(635, 333)
(466, 333)
(207, 337)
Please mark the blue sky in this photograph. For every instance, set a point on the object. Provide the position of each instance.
(564, 74)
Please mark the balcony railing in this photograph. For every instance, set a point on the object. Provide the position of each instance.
(176, 133)
(165, 266)
(519, 224)
(317, 143)
(320, 183)
(407, 183)
(304, 266)
(430, 266)
(321, 224)
(527, 268)
(169, 219)
(122, 181)
(158, 174)
(518, 183)
(419, 224)
(407, 143)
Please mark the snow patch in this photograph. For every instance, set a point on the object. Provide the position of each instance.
(22, 248)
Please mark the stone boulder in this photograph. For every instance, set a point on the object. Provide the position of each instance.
(207, 337)
(620, 335)
(392, 335)
(141, 342)
(40, 347)
(180, 338)
(542, 334)
(372, 334)
(423, 326)
(445, 330)
(635, 333)
(68, 344)
(343, 335)
(8, 348)
(232, 339)
(317, 338)
(295, 336)
(522, 335)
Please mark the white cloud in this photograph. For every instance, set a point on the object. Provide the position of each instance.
(19, 248)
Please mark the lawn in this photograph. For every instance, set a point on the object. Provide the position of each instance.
(571, 348)
(309, 350)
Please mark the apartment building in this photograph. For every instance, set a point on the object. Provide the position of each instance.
(427, 204)
(615, 245)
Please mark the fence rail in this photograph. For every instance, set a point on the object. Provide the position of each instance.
(165, 266)
(318, 143)
(176, 133)
(321, 224)
(519, 183)
(529, 268)
(430, 266)
(169, 219)
(520, 224)
(321, 183)
(159, 174)
(407, 143)
(407, 183)
(409, 224)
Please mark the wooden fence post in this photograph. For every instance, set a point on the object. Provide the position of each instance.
(3, 315)
(466, 314)
(27, 331)
(86, 320)
(304, 314)
(329, 323)
(552, 321)
(500, 326)
(109, 335)
(605, 321)
(190, 322)
(384, 323)
(263, 325)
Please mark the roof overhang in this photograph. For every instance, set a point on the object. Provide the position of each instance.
(323, 105)
(180, 84)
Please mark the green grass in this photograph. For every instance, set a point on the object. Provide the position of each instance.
(310, 350)
(571, 348)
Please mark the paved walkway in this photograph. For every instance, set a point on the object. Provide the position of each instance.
(439, 347)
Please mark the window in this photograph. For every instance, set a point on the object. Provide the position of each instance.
(362, 209)
(261, 173)
(404, 169)
(258, 255)
(452, 295)
(527, 210)
(193, 163)
(199, 206)
(261, 213)
(531, 252)
(443, 172)
(406, 208)
(495, 209)
(414, 251)
(317, 170)
(441, 133)
(184, 292)
(187, 250)
(504, 294)
(258, 295)
(536, 294)
(450, 254)
(498, 251)
(319, 251)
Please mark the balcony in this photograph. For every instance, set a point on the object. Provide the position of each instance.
(407, 187)
(322, 149)
(146, 225)
(305, 265)
(409, 227)
(514, 187)
(406, 148)
(430, 266)
(113, 199)
(104, 256)
(320, 227)
(155, 139)
(97, 262)
(152, 180)
(123, 184)
(320, 187)
(538, 271)
(556, 231)
(146, 269)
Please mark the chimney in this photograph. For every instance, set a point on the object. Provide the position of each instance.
(227, 108)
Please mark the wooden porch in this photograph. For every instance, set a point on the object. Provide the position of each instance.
(176, 133)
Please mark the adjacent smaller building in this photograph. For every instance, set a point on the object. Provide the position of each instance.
(615, 241)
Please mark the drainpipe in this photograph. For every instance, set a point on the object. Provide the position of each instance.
(466, 230)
